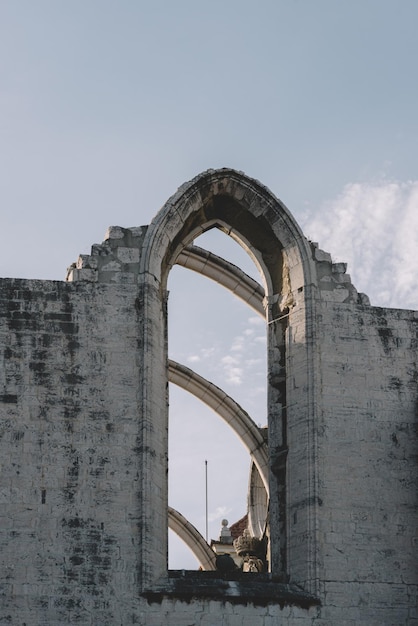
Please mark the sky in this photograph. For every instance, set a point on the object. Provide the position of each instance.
(107, 107)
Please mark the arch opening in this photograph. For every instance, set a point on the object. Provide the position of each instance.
(250, 213)
(251, 233)
(221, 403)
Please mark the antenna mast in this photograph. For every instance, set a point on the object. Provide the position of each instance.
(206, 484)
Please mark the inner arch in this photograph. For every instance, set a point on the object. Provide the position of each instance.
(192, 538)
(224, 273)
(226, 408)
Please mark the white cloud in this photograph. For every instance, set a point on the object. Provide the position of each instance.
(229, 360)
(207, 352)
(194, 358)
(234, 376)
(374, 228)
(252, 362)
(238, 344)
(256, 320)
(219, 513)
(232, 370)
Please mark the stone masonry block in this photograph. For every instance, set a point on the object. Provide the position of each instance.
(322, 256)
(128, 255)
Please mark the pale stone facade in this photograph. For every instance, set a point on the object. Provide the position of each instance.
(83, 432)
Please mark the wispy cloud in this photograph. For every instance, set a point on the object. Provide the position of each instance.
(208, 352)
(256, 321)
(232, 369)
(252, 362)
(374, 228)
(229, 360)
(193, 358)
(218, 513)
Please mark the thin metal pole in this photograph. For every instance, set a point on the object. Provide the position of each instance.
(206, 482)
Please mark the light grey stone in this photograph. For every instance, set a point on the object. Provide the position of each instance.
(83, 408)
(128, 255)
(321, 255)
(114, 232)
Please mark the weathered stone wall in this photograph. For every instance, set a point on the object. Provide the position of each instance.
(69, 456)
(70, 477)
(77, 533)
(367, 450)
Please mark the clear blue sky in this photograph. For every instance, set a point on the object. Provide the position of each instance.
(107, 107)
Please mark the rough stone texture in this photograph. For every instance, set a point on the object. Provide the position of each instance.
(69, 438)
(83, 512)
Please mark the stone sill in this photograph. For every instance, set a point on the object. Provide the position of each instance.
(233, 587)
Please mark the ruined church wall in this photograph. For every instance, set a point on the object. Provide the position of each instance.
(73, 440)
(367, 462)
(71, 449)
(70, 477)
(69, 437)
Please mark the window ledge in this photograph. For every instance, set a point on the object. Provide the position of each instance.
(234, 587)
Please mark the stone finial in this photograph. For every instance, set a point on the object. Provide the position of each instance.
(225, 535)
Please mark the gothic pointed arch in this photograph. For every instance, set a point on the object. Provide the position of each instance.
(249, 213)
(192, 538)
(225, 274)
(229, 410)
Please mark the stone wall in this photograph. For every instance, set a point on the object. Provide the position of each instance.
(367, 443)
(77, 531)
(69, 437)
